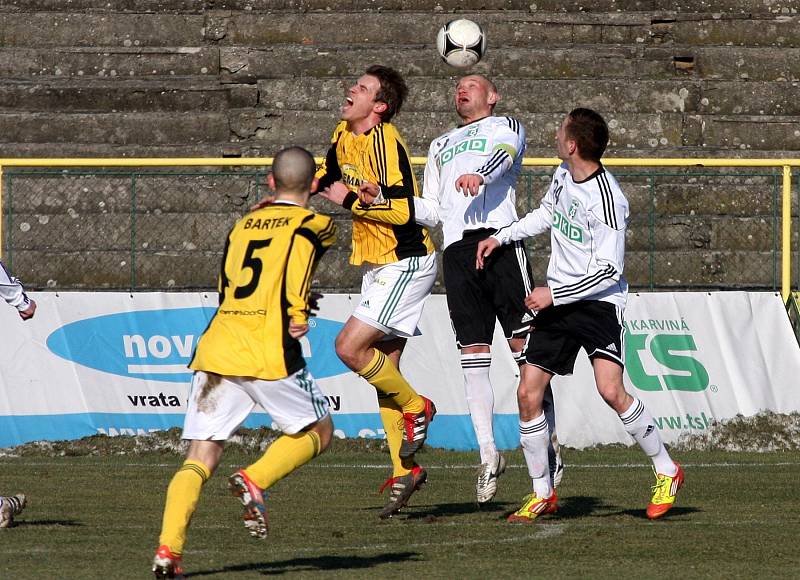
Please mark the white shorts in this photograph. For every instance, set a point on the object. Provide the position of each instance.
(392, 295)
(219, 404)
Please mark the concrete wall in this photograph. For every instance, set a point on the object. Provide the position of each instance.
(245, 77)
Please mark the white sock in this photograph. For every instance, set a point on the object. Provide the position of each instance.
(534, 438)
(639, 424)
(480, 400)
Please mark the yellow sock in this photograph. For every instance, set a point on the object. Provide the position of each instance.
(392, 417)
(182, 495)
(384, 376)
(286, 454)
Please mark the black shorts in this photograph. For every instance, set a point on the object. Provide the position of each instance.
(560, 332)
(476, 298)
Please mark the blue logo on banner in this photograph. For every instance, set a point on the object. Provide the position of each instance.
(158, 344)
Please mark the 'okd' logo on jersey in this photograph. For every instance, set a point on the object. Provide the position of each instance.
(563, 225)
(477, 145)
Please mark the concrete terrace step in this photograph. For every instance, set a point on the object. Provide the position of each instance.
(540, 96)
(53, 29)
(259, 130)
(60, 62)
(114, 95)
(443, 6)
(249, 64)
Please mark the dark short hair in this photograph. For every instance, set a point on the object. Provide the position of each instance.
(393, 89)
(589, 131)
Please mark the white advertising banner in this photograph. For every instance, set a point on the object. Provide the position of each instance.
(115, 363)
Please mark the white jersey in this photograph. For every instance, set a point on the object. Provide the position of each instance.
(12, 291)
(587, 222)
(491, 147)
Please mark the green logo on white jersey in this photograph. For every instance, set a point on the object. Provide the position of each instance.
(563, 225)
(478, 145)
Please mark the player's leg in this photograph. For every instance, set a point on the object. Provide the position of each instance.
(207, 426)
(10, 507)
(407, 476)
(184, 490)
(392, 413)
(356, 347)
(551, 350)
(301, 412)
(469, 302)
(639, 424)
(391, 305)
(602, 332)
(215, 410)
(534, 438)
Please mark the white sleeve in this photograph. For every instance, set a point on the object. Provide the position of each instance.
(535, 222)
(605, 270)
(12, 291)
(426, 208)
(508, 143)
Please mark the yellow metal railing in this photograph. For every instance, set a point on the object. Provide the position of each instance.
(785, 164)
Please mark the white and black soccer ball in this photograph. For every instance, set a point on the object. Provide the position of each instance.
(461, 43)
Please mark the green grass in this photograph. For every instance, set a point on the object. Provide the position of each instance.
(99, 517)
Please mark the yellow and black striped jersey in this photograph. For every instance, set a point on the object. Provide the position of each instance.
(269, 260)
(383, 232)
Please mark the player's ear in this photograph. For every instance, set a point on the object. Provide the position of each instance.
(493, 98)
(271, 181)
(572, 145)
(380, 107)
(314, 185)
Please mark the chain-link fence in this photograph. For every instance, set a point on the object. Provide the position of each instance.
(158, 230)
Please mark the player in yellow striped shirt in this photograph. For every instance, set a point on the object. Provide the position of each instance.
(398, 260)
(250, 355)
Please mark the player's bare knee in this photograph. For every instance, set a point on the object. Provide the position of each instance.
(346, 352)
(614, 394)
(324, 429)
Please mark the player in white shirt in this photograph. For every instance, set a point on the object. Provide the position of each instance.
(581, 307)
(13, 292)
(469, 187)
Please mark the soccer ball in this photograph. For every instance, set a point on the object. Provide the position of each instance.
(461, 43)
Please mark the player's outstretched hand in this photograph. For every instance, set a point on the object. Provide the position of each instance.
(297, 330)
(485, 248)
(539, 299)
(469, 184)
(335, 193)
(28, 312)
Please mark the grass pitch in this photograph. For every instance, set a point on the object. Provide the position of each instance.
(99, 517)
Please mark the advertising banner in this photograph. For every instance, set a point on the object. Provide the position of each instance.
(115, 363)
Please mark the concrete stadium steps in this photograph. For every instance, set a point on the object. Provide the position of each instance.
(157, 78)
(85, 63)
(448, 6)
(112, 95)
(377, 28)
(249, 64)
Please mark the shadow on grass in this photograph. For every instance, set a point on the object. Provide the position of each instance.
(642, 514)
(579, 506)
(430, 513)
(320, 563)
(29, 523)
